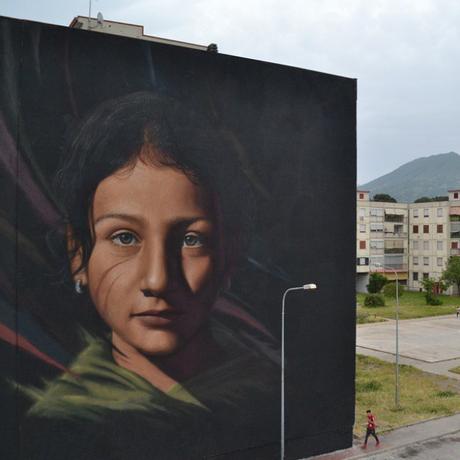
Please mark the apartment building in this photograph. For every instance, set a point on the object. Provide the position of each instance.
(382, 239)
(412, 240)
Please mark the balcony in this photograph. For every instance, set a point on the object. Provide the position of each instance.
(394, 251)
(455, 251)
(399, 218)
(396, 266)
(396, 234)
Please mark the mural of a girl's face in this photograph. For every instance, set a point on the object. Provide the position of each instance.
(152, 273)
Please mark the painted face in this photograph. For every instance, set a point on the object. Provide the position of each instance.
(152, 272)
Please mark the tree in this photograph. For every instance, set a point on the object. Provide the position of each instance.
(384, 197)
(433, 287)
(376, 283)
(423, 199)
(451, 275)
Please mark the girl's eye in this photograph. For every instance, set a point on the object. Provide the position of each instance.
(124, 239)
(193, 240)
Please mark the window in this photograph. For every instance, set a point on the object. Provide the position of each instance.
(414, 228)
(377, 244)
(455, 195)
(415, 212)
(377, 212)
(362, 261)
(426, 212)
(361, 212)
(362, 228)
(439, 212)
(415, 260)
(439, 245)
(415, 244)
(376, 260)
(426, 276)
(376, 227)
(362, 245)
(439, 228)
(415, 276)
(426, 261)
(454, 245)
(426, 245)
(361, 196)
(426, 229)
(439, 261)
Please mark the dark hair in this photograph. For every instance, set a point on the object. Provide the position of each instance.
(112, 137)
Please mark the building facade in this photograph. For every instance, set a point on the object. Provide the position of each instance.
(410, 240)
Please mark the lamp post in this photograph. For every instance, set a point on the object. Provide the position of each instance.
(309, 286)
(397, 331)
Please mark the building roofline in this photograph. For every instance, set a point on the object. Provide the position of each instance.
(153, 37)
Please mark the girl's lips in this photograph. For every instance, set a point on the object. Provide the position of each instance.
(157, 317)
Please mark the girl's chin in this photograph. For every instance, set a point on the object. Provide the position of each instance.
(157, 343)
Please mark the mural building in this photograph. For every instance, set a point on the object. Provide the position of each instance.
(156, 203)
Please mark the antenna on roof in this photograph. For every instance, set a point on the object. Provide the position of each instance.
(89, 15)
(100, 19)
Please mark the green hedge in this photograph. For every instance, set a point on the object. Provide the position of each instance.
(389, 290)
(374, 300)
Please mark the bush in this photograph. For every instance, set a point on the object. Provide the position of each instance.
(376, 283)
(432, 300)
(374, 300)
(431, 288)
(389, 290)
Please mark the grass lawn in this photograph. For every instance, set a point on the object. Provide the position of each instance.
(456, 370)
(422, 395)
(411, 305)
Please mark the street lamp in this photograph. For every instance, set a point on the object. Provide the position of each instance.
(310, 286)
(377, 264)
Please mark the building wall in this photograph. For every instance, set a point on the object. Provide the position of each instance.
(427, 234)
(429, 241)
(263, 126)
(383, 229)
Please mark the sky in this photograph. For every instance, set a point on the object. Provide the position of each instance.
(404, 53)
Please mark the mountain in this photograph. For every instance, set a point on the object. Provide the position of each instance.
(427, 176)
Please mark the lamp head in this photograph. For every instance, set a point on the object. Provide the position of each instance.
(309, 286)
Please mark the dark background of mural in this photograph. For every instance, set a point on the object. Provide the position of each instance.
(295, 134)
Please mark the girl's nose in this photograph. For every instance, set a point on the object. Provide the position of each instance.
(154, 269)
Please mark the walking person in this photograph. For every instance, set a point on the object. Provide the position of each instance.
(370, 428)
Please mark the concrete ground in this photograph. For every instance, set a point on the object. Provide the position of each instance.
(430, 344)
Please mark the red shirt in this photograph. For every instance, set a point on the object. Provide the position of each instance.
(371, 422)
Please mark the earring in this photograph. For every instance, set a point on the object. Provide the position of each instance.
(79, 287)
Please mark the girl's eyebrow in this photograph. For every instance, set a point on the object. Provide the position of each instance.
(112, 215)
(182, 221)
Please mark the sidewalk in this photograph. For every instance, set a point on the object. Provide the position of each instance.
(400, 438)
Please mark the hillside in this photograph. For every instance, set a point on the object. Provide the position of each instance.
(427, 176)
